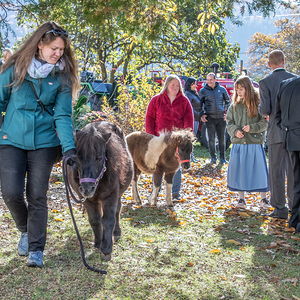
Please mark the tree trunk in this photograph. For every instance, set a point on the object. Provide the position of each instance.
(102, 66)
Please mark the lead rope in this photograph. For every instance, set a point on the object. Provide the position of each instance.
(68, 192)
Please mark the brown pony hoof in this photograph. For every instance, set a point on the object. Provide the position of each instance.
(105, 257)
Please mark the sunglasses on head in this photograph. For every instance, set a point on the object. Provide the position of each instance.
(58, 32)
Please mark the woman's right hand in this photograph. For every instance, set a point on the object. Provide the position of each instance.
(239, 134)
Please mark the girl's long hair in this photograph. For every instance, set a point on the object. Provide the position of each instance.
(22, 58)
(251, 99)
(168, 80)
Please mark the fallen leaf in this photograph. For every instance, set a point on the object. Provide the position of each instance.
(128, 219)
(275, 279)
(285, 298)
(295, 238)
(215, 251)
(243, 248)
(233, 242)
(59, 220)
(149, 240)
(244, 215)
(168, 212)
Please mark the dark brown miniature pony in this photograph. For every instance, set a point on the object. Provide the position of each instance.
(159, 155)
(103, 172)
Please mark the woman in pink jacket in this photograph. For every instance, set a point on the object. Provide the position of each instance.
(167, 111)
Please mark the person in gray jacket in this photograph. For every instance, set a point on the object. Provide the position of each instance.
(279, 158)
(216, 101)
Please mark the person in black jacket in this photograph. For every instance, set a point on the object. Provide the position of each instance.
(287, 118)
(190, 90)
(216, 102)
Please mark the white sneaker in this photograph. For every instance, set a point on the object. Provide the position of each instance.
(265, 204)
(241, 203)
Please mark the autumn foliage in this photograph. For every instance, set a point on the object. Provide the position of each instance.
(286, 39)
(130, 110)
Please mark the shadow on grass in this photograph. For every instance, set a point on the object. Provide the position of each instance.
(263, 264)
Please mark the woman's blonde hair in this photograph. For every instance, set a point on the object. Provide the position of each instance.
(22, 58)
(168, 80)
(251, 99)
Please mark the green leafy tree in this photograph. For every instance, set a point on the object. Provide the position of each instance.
(118, 35)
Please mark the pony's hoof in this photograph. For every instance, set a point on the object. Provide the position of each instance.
(105, 257)
(116, 238)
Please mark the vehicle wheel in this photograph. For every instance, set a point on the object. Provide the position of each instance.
(86, 95)
(204, 138)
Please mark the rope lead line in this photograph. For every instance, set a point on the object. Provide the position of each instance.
(68, 192)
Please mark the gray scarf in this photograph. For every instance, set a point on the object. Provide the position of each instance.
(39, 70)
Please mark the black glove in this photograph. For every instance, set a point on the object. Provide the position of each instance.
(72, 158)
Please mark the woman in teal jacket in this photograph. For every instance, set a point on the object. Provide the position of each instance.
(37, 86)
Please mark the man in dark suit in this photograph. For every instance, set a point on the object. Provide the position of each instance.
(279, 159)
(287, 118)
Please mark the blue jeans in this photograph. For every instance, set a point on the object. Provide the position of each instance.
(216, 126)
(15, 163)
(196, 125)
(177, 182)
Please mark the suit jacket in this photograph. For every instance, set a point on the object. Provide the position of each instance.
(268, 88)
(287, 113)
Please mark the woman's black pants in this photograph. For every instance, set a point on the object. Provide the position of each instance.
(32, 216)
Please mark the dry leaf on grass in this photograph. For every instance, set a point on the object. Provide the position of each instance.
(215, 251)
(244, 215)
(233, 242)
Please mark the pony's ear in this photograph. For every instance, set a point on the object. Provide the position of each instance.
(106, 136)
(179, 139)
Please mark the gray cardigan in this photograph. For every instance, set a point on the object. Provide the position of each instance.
(237, 117)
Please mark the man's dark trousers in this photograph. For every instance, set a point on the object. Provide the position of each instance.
(216, 126)
(295, 218)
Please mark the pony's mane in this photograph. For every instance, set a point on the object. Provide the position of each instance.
(89, 142)
(184, 133)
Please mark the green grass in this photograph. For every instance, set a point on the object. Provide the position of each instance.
(160, 255)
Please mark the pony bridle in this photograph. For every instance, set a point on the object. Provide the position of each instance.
(181, 161)
(95, 180)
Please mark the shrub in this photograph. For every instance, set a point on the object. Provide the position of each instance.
(130, 109)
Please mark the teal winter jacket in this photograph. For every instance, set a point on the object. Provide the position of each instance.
(237, 117)
(25, 126)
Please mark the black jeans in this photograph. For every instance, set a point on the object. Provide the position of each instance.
(32, 217)
(295, 217)
(216, 126)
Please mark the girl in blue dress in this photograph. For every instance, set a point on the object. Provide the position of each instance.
(247, 168)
